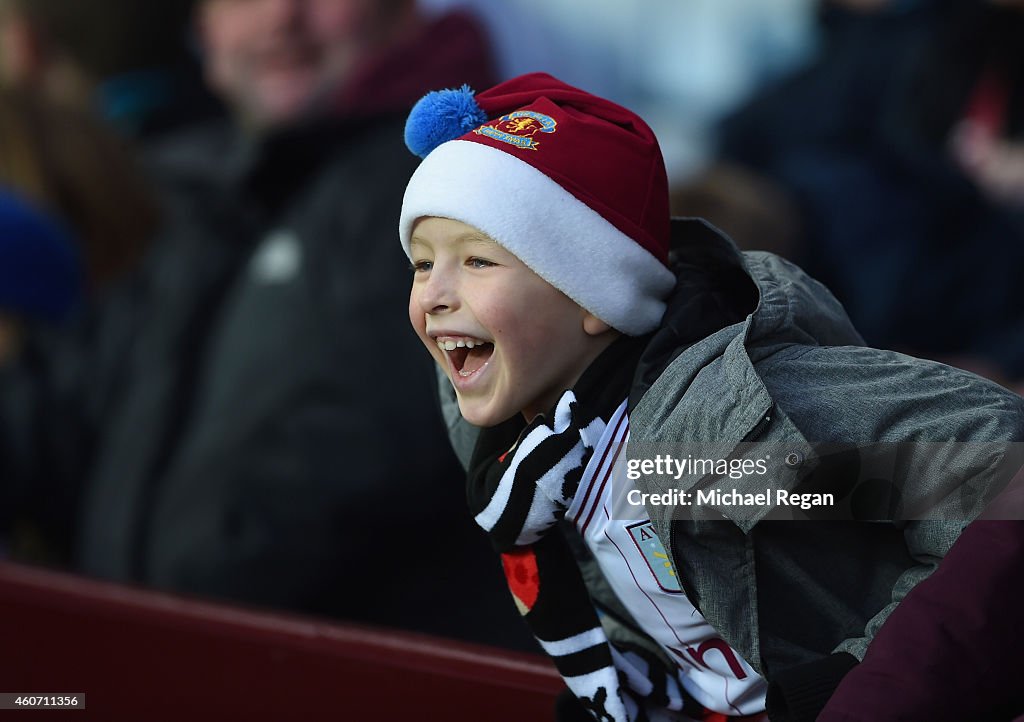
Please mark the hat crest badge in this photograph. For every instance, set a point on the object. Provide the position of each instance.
(518, 128)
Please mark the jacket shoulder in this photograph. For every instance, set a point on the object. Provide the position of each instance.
(862, 394)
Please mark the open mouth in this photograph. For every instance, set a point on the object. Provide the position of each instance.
(466, 355)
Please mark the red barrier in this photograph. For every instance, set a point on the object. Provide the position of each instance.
(144, 655)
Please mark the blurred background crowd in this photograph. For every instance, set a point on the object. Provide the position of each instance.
(207, 380)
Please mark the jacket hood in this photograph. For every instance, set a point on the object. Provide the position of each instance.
(735, 307)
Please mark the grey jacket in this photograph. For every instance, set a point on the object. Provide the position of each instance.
(785, 369)
(753, 350)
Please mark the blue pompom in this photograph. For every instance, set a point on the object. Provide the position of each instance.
(440, 116)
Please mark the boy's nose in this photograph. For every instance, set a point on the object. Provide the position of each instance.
(437, 295)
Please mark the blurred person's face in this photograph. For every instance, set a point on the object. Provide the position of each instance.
(273, 59)
(16, 46)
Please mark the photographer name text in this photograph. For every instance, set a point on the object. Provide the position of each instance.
(719, 498)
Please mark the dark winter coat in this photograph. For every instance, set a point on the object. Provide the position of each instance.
(251, 416)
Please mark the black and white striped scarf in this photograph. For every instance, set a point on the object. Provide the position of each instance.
(522, 479)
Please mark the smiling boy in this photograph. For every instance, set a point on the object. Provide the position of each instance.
(484, 315)
(539, 234)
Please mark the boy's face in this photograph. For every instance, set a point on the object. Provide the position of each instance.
(512, 343)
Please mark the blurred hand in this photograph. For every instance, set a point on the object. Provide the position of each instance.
(996, 165)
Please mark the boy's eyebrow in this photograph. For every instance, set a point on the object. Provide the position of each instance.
(477, 239)
(467, 238)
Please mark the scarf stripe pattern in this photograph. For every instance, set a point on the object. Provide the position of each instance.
(520, 484)
(526, 496)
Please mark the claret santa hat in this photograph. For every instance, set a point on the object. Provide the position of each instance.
(572, 184)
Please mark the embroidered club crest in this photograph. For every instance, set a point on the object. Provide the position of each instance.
(518, 128)
(653, 551)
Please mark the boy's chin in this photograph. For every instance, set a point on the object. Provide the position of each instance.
(483, 418)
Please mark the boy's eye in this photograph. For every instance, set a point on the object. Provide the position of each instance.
(479, 263)
(421, 266)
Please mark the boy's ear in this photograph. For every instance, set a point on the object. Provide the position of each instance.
(594, 326)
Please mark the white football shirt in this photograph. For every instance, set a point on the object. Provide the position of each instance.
(639, 571)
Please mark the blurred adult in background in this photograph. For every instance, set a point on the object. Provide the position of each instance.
(821, 115)
(77, 217)
(248, 420)
(954, 124)
(130, 61)
(894, 159)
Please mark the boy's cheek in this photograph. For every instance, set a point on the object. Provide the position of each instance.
(419, 325)
(416, 319)
(428, 343)
(437, 355)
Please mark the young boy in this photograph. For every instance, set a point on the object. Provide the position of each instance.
(539, 233)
